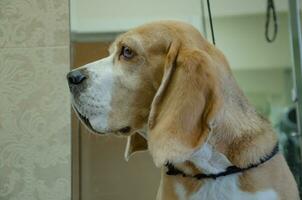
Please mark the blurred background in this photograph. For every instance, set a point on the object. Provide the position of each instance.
(45, 153)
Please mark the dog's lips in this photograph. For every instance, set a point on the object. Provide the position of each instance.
(85, 120)
(122, 131)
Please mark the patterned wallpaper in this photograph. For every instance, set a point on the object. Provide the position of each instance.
(34, 100)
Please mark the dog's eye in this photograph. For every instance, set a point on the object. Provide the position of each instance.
(127, 52)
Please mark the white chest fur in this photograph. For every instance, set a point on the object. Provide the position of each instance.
(223, 188)
(226, 188)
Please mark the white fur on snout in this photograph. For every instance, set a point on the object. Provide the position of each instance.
(94, 102)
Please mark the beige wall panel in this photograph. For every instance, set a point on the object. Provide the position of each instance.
(35, 140)
(33, 23)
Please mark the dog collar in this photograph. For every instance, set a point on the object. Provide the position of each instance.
(173, 171)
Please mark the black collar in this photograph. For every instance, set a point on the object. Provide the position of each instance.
(172, 170)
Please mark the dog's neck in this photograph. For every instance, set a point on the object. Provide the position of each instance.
(214, 157)
(243, 137)
(208, 160)
(205, 160)
(226, 146)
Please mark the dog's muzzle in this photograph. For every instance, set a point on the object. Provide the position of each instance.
(76, 81)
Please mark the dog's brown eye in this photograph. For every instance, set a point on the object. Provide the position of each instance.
(127, 52)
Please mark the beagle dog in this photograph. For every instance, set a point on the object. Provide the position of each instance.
(169, 90)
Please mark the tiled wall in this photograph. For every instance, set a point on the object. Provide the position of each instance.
(34, 100)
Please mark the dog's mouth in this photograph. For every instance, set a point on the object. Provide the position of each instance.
(122, 131)
(84, 119)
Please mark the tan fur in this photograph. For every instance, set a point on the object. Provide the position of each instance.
(200, 90)
(273, 174)
(182, 86)
(187, 109)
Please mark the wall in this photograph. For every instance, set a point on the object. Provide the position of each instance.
(90, 16)
(118, 15)
(34, 100)
(242, 40)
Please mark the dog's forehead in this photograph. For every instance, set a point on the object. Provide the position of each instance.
(130, 38)
(151, 32)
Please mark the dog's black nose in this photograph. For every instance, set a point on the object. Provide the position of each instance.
(76, 77)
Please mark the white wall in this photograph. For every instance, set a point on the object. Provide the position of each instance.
(224, 8)
(120, 15)
(242, 40)
(90, 16)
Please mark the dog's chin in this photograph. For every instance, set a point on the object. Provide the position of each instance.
(125, 131)
(87, 123)
(121, 134)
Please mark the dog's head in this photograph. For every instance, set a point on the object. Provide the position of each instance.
(161, 77)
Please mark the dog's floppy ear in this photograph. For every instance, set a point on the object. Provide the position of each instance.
(135, 143)
(184, 106)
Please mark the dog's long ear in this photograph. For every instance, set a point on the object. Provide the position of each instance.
(184, 106)
(135, 143)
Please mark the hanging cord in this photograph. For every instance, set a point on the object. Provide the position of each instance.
(271, 9)
(203, 19)
(211, 22)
